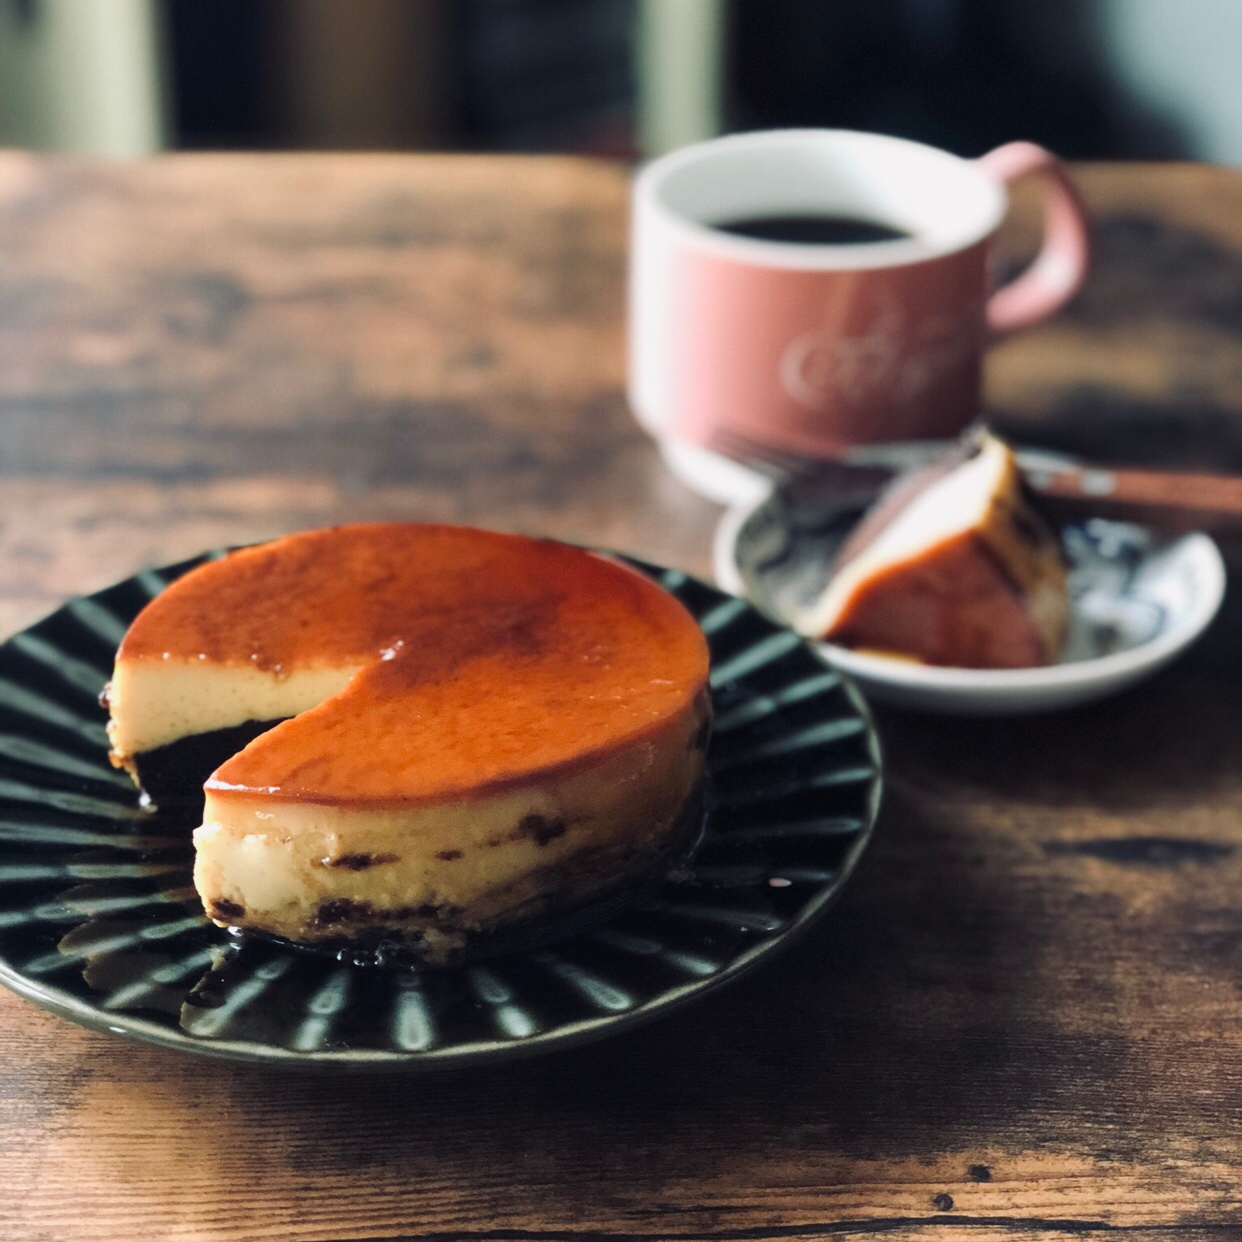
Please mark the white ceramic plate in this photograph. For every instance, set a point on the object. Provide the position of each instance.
(1137, 601)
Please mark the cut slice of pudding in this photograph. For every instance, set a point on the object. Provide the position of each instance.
(952, 566)
(439, 732)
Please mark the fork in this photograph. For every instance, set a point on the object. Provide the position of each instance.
(1173, 499)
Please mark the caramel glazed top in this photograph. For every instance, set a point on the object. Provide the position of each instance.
(483, 658)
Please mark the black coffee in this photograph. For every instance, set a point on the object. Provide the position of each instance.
(813, 230)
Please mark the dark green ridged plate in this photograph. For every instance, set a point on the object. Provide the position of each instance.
(99, 921)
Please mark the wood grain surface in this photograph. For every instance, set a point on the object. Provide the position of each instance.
(1025, 1017)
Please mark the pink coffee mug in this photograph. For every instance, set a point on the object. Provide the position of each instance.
(818, 348)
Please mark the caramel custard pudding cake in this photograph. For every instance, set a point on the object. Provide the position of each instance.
(952, 566)
(415, 734)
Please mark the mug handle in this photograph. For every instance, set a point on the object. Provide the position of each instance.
(1060, 268)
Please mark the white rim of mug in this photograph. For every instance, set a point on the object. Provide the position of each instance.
(796, 256)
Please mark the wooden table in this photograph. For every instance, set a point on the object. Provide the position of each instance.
(1025, 1018)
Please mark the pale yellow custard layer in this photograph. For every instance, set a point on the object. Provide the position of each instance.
(312, 872)
(155, 701)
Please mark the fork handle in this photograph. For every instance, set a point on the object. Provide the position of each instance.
(1172, 498)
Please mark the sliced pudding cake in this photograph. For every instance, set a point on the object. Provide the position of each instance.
(415, 734)
(952, 566)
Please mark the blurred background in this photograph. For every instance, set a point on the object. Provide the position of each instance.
(1090, 78)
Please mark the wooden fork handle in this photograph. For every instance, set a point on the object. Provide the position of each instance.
(1165, 498)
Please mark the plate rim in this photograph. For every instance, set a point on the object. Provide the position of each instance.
(1099, 674)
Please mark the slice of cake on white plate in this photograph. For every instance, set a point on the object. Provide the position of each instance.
(952, 566)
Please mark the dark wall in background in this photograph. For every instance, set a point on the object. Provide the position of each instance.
(559, 74)
(962, 74)
(489, 74)
(548, 73)
(219, 54)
